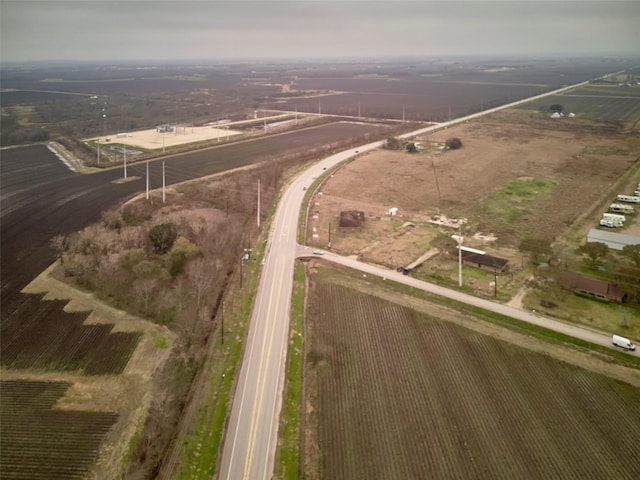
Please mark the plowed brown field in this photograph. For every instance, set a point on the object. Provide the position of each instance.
(394, 394)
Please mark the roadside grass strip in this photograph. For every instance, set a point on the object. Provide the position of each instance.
(201, 447)
(288, 463)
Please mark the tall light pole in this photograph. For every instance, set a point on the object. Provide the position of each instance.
(125, 161)
(458, 238)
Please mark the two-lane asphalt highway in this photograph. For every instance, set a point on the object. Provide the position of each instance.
(250, 442)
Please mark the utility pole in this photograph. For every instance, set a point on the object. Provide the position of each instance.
(459, 255)
(403, 113)
(222, 326)
(495, 280)
(104, 119)
(258, 209)
(147, 180)
(163, 183)
(125, 162)
(435, 175)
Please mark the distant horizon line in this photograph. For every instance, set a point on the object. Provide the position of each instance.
(335, 59)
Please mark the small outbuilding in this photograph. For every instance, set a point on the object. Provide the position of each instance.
(484, 261)
(592, 286)
(393, 211)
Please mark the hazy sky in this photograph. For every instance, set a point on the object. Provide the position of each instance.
(212, 29)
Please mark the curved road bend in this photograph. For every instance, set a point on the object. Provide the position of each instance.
(248, 450)
(251, 437)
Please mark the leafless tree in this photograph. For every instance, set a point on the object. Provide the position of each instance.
(59, 244)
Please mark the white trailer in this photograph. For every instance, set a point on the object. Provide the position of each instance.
(614, 217)
(621, 208)
(610, 223)
(629, 198)
(622, 342)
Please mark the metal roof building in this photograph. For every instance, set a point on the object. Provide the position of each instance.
(616, 241)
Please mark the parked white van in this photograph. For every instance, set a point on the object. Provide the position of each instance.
(625, 343)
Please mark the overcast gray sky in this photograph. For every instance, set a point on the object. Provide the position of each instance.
(213, 29)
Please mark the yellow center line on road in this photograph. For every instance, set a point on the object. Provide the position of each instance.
(262, 372)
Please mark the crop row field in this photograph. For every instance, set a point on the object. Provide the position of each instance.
(608, 90)
(402, 394)
(432, 101)
(42, 335)
(594, 107)
(428, 92)
(40, 442)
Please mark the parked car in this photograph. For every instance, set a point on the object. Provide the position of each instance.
(318, 252)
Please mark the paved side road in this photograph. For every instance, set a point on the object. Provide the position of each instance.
(581, 332)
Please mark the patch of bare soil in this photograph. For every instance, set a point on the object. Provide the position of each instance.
(585, 160)
(128, 394)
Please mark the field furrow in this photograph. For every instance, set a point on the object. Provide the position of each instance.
(403, 395)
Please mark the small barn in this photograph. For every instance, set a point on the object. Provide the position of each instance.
(484, 261)
(615, 241)
(591, 286)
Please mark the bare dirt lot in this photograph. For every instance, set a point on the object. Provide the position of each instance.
(518, 175)
(152, 139)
